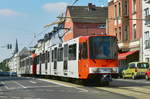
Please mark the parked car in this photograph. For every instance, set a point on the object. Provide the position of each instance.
(135, 69)
(147, 75)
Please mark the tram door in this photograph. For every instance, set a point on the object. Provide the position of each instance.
(65, 63)
(83, 59)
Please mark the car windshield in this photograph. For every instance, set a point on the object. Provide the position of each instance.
(143, 65)
(103, 47)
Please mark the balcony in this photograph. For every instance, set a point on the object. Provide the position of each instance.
(147, 1)
(147, 44)
(147, 18)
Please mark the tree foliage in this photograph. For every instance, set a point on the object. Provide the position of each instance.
(4, 66)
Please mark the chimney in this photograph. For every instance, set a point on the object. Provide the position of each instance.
(91, 7)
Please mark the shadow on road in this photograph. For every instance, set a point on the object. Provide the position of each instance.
(9, 78)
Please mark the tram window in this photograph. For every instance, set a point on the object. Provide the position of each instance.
(52, 55)
(65, 65)
(72, 52)
(30, 61)
(66, 52)
(55, 54)
(43, 57)
(37, 58)
(48, 58)
(40, 58)
(83, 51)
(60, 54)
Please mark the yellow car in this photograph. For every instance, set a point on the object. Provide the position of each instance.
(135, 69)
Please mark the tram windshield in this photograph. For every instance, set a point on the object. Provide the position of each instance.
(103, 47)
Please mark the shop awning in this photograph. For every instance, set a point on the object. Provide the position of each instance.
(122, 56)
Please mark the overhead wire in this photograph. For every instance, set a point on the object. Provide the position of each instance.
(36, 35)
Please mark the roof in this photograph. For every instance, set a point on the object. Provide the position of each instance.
(123, 56)
(83, 14)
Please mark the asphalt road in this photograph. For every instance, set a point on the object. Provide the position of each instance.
(33, 88)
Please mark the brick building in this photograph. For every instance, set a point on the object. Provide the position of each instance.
(125, 21)
(85, 20)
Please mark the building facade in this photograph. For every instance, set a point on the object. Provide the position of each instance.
(14, 63)
(85, 20)
(125, 22)
(145, 52)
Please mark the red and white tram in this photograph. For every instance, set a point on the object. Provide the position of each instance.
(86, 57)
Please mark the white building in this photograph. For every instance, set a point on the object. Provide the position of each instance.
(145, 55)
(14, 63)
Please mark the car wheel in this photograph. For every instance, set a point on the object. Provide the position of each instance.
(123, 76)
(133, 77)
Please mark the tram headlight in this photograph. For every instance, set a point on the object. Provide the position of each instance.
(115, 70)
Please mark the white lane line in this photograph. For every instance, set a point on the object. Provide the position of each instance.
(2, 97)
(16, 97)
(65, 85)
(20, 84)
(81, 89)
(40, 86)
(55, 83)
(5, 85)
(33, 82)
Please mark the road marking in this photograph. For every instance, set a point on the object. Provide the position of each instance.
(135, 81)
(5, 85)
(33, 82)
(54, 82)
(20, 84)
(127, 92)
(16, 97)
(65, 84)
(81, 89)
(138, 89)
(40, 86)
(8, 97)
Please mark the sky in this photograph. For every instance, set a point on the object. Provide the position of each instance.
(23, 19)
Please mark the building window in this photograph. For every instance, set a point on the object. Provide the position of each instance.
(146, 35)
(126, 33)
(134, 32)
(147, 60)
(147, 44)
(115, 10)
(120, 38)
(134, 6)
(116, 33)
(126, 8)
(119, 10)
(146, 12)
